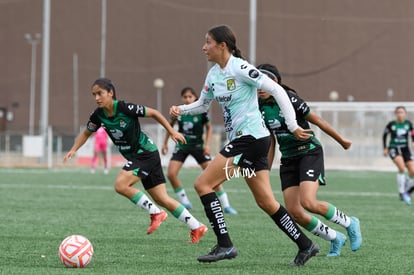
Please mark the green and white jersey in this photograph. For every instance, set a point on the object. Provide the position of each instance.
(192, 127)
(399, 133)
(123, 128)
(235, 90)
(289, 146)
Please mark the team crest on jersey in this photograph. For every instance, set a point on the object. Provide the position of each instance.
(231, 84)
(122, 123)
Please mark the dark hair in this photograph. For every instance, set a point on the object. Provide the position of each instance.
(271, 71)
(189, 89)
(105, 84)
(400, 107)
(224, 34)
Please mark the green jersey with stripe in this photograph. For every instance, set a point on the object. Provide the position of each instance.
(123, 128)
(289, 146)
(399, 133)
(192, 127)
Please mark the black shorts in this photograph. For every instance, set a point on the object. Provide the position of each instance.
(248, 152)
(400, 151)
(148, 167)
(198, 154)
(307, 167)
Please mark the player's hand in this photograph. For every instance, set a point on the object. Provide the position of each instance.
(174, 111)
(69, 155)
(302, 134)
(164, 149)
(385, 152)
(206, 150)
(178, 137)
(346, 143)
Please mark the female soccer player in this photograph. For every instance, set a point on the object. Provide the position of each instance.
(399, 150)
(192, 127)
(302, 168)
(233, 83)
(100, 147)
(120, 121)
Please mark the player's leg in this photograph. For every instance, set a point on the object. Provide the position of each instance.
(94, 161)
(203, 161)
(399, 162)
(174, 167)
(124, 186)
(161, 197)
(307, 199)
(410, 177)
(263, 194)
(207, 181)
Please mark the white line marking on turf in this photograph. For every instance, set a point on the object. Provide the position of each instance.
(101, 187)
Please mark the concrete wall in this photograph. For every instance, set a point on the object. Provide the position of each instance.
(360, 48)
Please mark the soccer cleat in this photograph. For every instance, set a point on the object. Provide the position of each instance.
(354, 233)
(156, 220)
(409, 185)
(406, 198)
(218, 253)
(197, 233)
(230, 210)
(304, 255)
(336, 245)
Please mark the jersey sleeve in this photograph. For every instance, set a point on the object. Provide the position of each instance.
(205, 118)
(131, 109)
(387, 130)
(199, 106)
(301, 108)
(94, 122)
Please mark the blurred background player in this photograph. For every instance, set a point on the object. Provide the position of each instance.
(100, 149)
(302, 168)
(192, 127)
(400, 130)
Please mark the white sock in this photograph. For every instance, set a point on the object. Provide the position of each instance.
(323, 231)
(185, 216)
(181, 195)
(145, 203)
(223, 198)
(401, 182)
(337, 216)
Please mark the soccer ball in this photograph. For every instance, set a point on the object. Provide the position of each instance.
(75, 251)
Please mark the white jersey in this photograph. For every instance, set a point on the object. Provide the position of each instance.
(235, 90)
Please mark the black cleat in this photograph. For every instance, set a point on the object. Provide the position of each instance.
(218, 253)
(304, 255)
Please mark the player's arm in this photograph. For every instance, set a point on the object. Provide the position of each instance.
(272, 150)
(209, 133)
(80, 140)
(283, 100)
(384, 140)
(176, 136)
(199, 106)
(328, 129)
(164, 149)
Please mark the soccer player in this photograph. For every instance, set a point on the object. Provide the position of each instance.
(399, 151)
(302, 168)
(120, 121)
(233, 83)
(100, 148)
(192, 127)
